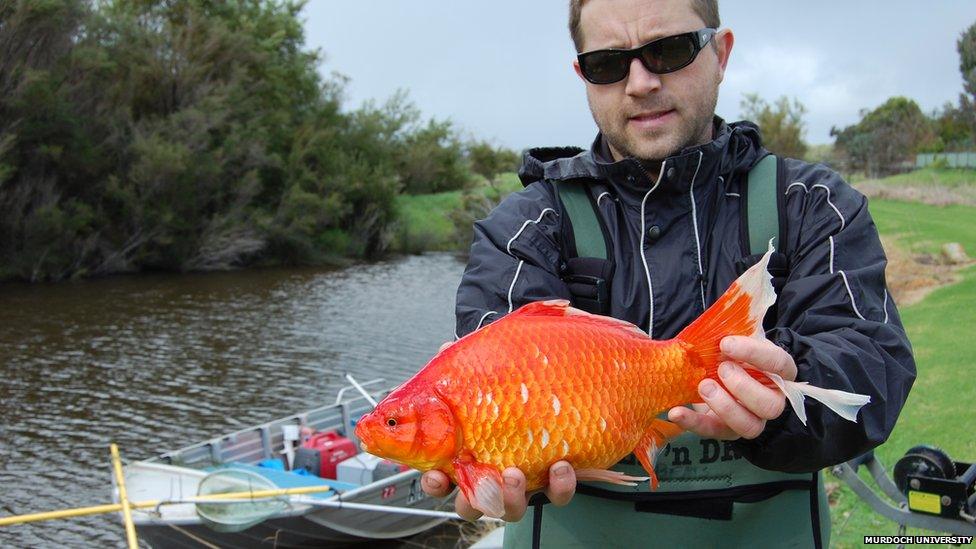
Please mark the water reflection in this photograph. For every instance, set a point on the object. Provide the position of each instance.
(155, 362)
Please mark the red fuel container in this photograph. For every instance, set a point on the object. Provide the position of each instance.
(332, 448)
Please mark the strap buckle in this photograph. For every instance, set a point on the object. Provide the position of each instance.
(591, 292)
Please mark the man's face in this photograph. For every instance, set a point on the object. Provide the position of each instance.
(650, 116)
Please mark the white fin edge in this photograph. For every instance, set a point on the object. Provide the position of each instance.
(488, 498)
(844, 404)
(757, 282)
(606, 475)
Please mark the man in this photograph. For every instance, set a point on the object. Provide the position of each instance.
(667, 178)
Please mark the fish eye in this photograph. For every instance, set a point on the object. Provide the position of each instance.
(391, 422)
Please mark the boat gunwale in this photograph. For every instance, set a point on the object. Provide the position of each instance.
(300, 418)
(167, 463)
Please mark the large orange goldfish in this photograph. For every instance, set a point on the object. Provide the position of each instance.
(549, 382)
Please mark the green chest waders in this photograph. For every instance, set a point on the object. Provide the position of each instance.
(709, 496)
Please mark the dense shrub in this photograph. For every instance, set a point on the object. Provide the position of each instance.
(781, 124)
(886, 139)
(192, 135)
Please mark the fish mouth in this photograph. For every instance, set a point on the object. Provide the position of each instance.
(362, 435)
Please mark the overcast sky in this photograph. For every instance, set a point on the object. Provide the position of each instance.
(501, 70)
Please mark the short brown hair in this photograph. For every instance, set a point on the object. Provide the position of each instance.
(706, 9)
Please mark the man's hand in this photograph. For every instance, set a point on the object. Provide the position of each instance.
(562, 486)
(748, 404)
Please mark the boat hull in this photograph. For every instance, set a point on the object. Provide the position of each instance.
(176, 476)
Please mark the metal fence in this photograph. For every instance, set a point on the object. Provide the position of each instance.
(951, 160)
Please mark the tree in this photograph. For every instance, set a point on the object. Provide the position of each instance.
(886, 137)
(487, 160)
(432, 159)
(966, 46)
(781, 124)
(953, 129)
(179, 135)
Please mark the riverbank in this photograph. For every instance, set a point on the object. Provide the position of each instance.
(245, 156)
(443, 221)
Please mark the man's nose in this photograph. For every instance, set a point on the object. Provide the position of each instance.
(641, 81)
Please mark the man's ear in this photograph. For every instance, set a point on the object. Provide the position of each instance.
(724, 39)
(579, 72)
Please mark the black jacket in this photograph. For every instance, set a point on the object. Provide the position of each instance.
(833, 315)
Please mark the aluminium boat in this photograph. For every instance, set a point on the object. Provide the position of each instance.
(176, 476)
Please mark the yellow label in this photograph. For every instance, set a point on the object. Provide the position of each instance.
(924, 501)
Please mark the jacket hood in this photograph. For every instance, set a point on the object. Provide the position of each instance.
(735, 148)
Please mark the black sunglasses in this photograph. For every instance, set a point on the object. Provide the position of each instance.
(661, 56)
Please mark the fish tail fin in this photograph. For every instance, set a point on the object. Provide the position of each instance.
(740, 311)
(844, 404)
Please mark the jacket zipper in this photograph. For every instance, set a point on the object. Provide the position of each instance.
(643, 234)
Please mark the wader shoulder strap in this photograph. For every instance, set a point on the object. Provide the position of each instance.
(763, 217)
(588, 264)
(583, 218)
(764, 207)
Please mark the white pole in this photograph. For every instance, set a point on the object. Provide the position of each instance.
(331, 503)
(361, 390)
(380, 508)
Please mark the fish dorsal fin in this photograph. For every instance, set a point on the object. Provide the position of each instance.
(552, 307)
(561, 307)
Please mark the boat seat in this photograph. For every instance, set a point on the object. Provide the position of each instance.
(287, 479)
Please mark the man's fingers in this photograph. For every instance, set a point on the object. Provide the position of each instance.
(436, 484)
(735, 415)
(445, 345)
(763, 354)
(463, 508)
(562, 486)
(756, 397)
(700, 407)
(562, 483)
(703, 424)
(513, 494)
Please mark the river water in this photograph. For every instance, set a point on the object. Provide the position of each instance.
(156, 362)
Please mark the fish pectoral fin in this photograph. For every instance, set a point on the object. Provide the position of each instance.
(656, 438)
(481, 484)
(606, 475)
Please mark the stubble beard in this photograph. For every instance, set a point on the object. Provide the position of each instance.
(690, 132)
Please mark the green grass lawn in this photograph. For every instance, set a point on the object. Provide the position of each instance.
(924, 228)
(425, 219)
(425, 223)
(946, 177)
(939, 186)
(940, 409)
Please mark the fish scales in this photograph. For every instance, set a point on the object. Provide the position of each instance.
(599, 372)
(549, 382)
